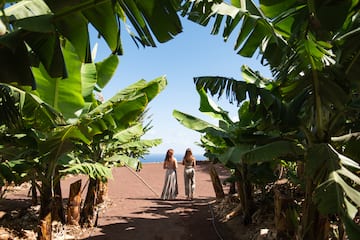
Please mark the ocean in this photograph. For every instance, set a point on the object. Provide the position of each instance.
(159, 157)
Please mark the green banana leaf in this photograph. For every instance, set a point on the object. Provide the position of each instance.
(209, 107)
(68, 95)
(106, 70)
(40, 24)
(151, 88)
(65, 95)
(197, 124)
(336, 195)
(142, 145)
(273, 151)
(95, 76)
(115, 128)
(255, 86)
(121, 160)
(93, 170)
(34, 111)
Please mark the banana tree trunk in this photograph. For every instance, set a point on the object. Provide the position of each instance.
(102, 192)
(34, 197)
(283, 205)
(219, 191)
(58, 212)
(88, 212)
(44, 226)
(101, 196)
(314, 225)
(74, 203)
(245, 190)
(232, 189)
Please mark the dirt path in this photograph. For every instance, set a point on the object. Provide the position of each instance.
(135, 210)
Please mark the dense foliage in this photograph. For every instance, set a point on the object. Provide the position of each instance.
(52, 124)
(312, 49)
(305, 116)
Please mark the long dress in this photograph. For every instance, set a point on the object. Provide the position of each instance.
(170, 189)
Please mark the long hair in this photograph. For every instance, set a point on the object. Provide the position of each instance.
(188, 155)
(169, 154)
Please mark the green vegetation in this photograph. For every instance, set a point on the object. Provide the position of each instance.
(307, 114)
(305, 120)
(51, 122)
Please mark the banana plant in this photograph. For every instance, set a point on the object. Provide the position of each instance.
(33, 30)
(109, 150)
(230, 142)
(53, 143)
(286, 121)
(278, 130)
(97, 122)
(118, 139)
(309, 46)
(119, 109)
(39, 140)
(107, 119)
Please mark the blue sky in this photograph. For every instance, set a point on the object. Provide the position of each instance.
(194, 52)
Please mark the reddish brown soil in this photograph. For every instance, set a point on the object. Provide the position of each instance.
(135, 211)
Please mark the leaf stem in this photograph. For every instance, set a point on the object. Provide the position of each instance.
(79, 7)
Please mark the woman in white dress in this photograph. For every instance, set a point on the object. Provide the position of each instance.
(170, 189)
(189, 163)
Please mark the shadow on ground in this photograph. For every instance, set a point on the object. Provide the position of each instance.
(177, 219)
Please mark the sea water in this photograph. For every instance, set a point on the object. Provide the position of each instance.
(158, 158)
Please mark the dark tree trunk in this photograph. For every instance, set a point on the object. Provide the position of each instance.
(314, 225)
(283, 205)
(219, 191)
(87, 215)
(34, 198)
(300, 170)
(74, 203)
(58, 213)
(44, 226)
(232, 189)
(245, 190)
